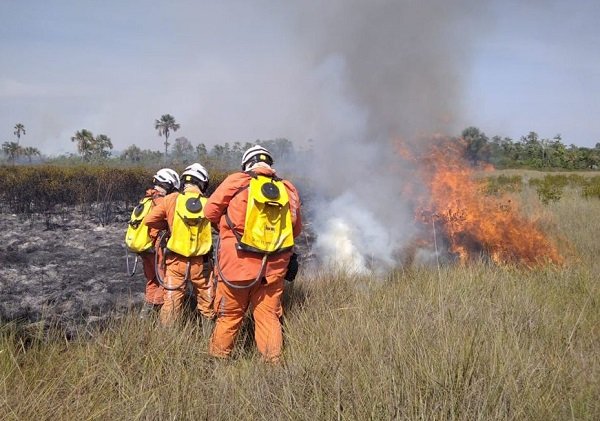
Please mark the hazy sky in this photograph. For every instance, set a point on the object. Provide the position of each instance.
(244, 70)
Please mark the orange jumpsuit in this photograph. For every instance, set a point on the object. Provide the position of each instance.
(180, 268)
(154, 292)
(241, 267)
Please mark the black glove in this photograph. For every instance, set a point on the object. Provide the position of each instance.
(292, 269)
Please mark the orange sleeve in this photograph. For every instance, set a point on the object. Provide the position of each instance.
(218, 201)
(157, 218)
(153, 232)
(295, 204)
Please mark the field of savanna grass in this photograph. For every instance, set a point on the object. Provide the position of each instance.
(474, 341)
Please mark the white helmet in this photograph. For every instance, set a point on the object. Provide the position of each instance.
(168, 177)
(256, 154)
(196, 174)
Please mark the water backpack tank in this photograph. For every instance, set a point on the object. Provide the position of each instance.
(268, 224)
(137, 238)
(190, 235)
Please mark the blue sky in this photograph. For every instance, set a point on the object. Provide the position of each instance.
(538, 69)
(244, 70)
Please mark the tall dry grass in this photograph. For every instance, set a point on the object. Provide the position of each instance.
(470, 342)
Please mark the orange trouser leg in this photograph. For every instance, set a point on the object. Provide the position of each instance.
(230, 306)
(154, 292)
(203, 287)
(174, 278)
(266, 301)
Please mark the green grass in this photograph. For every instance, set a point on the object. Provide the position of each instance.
(470, 342)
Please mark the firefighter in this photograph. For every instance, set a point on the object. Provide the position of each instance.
(140, 239)
(258, 216)
(188, 247)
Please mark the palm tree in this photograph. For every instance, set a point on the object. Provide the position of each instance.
(30, 152)
(12, 150)
(165, 125)
(19, 128)
(101, 146)
(85, 142)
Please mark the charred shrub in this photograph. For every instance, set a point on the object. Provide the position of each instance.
(98, 191)
(44, 189)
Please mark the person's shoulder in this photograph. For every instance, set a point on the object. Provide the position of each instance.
(169, 199)
(150, 193)
(236, 179)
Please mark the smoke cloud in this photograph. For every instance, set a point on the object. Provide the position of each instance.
(385, 70)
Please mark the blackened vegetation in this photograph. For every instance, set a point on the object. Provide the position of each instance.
(66, 276)
(62, 254)
(49, 192)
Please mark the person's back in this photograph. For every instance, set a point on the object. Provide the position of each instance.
(165, 181)
(187, 255)
(250, 277)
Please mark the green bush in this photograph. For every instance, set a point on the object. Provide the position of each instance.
(576, 180)
(503, 184)
(550, 188)
(592, 188)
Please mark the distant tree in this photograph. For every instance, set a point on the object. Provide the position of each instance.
(84, 139)
(101, 147)
(30, 152)
(90, 147)
(554, 151)
(477, 148)
(183, 150)
(165, 125)
(153, 157)
(132, 154)
(201, 153)
(280, 148)
(12, 151)
(19, 129)
(218, 152)
(237, 149)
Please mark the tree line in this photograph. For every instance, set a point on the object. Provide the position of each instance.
(530, 151)
(99, 148)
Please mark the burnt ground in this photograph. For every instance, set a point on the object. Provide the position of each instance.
(69, 271)
(68, 275)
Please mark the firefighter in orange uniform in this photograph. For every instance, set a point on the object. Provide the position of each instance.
(258, 217)
(166, 181)
(189, 246)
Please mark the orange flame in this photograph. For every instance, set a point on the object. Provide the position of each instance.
(473, 223)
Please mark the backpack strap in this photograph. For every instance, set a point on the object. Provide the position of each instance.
(232, 227)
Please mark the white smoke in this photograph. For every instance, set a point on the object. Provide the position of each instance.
(351, 237)
(385, 70)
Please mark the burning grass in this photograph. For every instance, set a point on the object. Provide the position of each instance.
(471, 223)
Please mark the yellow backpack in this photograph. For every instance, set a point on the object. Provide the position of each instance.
(268, 224)
(191, 235)
(137, 238)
